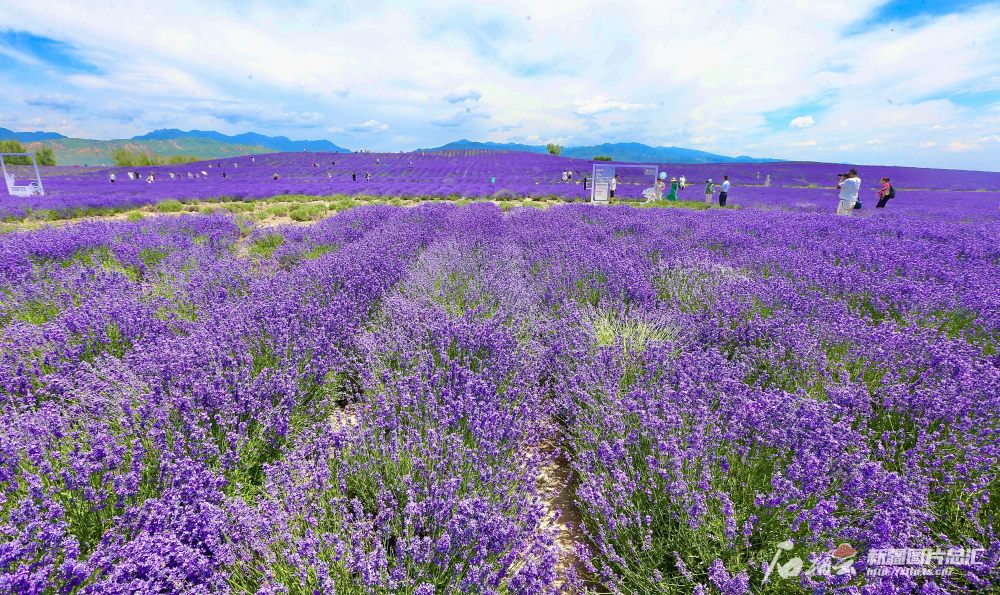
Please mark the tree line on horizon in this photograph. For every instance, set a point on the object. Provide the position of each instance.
(44, 155)
(126, 158)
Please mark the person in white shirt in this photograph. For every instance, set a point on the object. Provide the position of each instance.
(613, 186)
(724, 191)
(849, 186)
(682, 182)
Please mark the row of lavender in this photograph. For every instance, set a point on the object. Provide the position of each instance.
(797, 186)
(367, 404)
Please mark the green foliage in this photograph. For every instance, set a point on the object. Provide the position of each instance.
(45, 156)
(169, 206)
(12, 146)
(125, 158)
(693, 205)
(553, 148)
(602, 158)
(265, 246)
(307, 212)
(317, 251)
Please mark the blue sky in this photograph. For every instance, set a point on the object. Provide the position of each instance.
(859, 81)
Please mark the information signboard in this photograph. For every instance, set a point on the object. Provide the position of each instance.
(603, 174)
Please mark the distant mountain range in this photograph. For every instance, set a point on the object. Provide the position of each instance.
(281, 144)
(28, 137)
(165, 143)
(208, 144)
(633, 152)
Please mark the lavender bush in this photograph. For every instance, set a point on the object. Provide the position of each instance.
(458, 175)
(377, 403)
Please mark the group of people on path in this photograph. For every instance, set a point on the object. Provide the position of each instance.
(723, 191)
(849, 185)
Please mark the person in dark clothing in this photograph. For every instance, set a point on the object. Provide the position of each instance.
(354, 176)
(885, 193)
(724, 193)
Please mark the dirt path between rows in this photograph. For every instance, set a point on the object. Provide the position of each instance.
(557, 487)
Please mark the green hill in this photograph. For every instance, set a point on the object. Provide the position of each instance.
(78, 151)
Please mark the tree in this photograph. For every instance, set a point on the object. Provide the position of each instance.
(12, 146)
(553, 149)
(45, 156)
(602, 158)
(125, 158)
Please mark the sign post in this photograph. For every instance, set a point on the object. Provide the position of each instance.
(603, 174)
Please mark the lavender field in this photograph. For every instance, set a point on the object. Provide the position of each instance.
(443, 399)
(466, 174)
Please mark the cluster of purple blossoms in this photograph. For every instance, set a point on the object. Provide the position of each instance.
(377, 403)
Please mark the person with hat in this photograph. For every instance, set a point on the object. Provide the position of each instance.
(673, 190)
(709, 191)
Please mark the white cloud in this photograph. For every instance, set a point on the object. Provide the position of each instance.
(599, 104)
(993, 138)
(927, 145)
(369, 126)
(958, 146)
(802, 122)
(56, 101)
(299, 71)
(460, 118)
(463, 94)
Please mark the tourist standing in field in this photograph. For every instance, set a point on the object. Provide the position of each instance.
(767, 181)
(682, 181)
(885, 193)
(354, 176)
(849, 185)
(612, 187)
(673, 190)
(724, 191)
(709, 191)
(112, 177)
